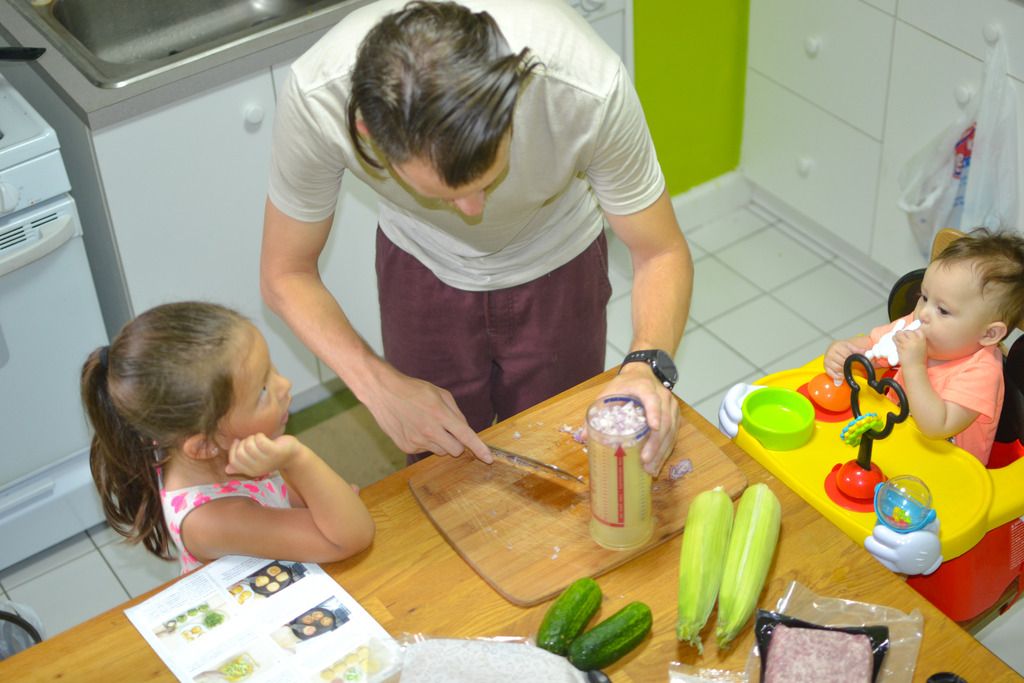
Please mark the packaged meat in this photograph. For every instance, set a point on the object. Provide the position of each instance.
(793, 651)
(799, 655)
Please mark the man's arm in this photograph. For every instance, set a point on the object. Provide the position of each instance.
(662, 286)
(291, 286)
(415, 414)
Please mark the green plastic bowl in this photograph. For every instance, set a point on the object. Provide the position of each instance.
(780, 419)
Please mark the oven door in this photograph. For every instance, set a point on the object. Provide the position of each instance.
(49, 322)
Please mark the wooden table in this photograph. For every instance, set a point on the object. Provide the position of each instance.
(411, 581)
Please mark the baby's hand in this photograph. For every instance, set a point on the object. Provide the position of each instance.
(885, 349)
(258, 454)
(836, 355)
(911, 347)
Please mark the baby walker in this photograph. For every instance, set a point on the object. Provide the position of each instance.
(980, 534)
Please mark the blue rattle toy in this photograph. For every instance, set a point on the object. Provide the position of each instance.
(904, 504)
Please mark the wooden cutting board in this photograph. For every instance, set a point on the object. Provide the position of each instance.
(527, 532)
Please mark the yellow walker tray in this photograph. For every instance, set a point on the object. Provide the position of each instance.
(969, 499)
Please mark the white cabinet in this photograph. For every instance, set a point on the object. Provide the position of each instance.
(815, 106)
(824, 167)
(971, 26)
(820, 71)
(804, 44)
(185, 187)
(613, 21)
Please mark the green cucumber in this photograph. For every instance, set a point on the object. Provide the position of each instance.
(568, 615)
(612, 639)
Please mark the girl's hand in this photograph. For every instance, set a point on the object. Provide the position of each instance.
(258, 454)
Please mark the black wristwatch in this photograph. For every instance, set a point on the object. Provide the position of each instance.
(661, 364)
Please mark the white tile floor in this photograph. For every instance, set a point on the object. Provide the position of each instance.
(763, 301)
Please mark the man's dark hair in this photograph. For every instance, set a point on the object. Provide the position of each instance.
(437, 82)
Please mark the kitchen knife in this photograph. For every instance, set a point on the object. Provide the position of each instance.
(517, 459)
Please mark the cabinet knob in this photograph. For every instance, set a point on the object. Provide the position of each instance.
(812, 46)
(804, 166)
(992, 33)
(963, 94)
(254, 115)
(592, 5)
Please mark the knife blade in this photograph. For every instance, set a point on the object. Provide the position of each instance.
(517, 459)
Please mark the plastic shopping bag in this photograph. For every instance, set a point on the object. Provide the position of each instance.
(991, 199)
(967, 176)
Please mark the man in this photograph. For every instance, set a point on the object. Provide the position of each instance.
(499, 137)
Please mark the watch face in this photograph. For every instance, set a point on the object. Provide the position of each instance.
(661, 363)
(664, 362)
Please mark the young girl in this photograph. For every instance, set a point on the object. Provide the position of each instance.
(190, 451)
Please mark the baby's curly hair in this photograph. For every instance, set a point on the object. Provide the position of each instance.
(998, 258)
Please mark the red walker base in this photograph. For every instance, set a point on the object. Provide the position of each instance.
(966, 586)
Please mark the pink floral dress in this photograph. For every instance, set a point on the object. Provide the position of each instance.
(269, 491)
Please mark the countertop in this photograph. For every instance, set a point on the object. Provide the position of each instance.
(100, 107)
(413, 582)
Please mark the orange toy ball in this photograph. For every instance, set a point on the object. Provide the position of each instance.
(824, 392)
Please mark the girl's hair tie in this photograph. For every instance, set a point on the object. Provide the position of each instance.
(104, 356)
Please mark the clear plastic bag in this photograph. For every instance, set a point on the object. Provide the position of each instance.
(967, 175)
(687, 673)
(991, 197)
(20, 628)
(425, 659)
(904, 629)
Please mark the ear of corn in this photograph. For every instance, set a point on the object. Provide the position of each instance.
(755, 534)
(701, 560)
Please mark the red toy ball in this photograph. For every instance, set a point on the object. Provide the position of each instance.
(824, 392)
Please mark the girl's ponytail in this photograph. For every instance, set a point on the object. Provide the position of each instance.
(123, 464)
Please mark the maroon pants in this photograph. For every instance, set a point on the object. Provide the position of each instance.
(502, 351)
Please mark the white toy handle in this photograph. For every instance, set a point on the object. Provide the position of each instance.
(886, 347)
(730, 412)
(917, 552)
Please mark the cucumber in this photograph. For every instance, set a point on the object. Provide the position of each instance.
(612, 639)
(568, 615)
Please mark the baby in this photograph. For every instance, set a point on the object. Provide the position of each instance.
(950, 361)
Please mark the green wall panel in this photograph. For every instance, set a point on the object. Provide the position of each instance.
(690, 63)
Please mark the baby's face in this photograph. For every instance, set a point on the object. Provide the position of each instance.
(953, 311)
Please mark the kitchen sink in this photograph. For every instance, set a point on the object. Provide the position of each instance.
(117, 42)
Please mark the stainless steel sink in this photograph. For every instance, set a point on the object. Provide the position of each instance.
(117, 42)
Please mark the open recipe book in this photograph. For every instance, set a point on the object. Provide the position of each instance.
(252, 619)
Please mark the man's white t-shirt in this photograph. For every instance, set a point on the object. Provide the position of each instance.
(580, 145)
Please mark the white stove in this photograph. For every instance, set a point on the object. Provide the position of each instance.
(49, 322)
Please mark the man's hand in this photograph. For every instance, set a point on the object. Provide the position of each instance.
(660, 407)
(917, 552)
(419, 416)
